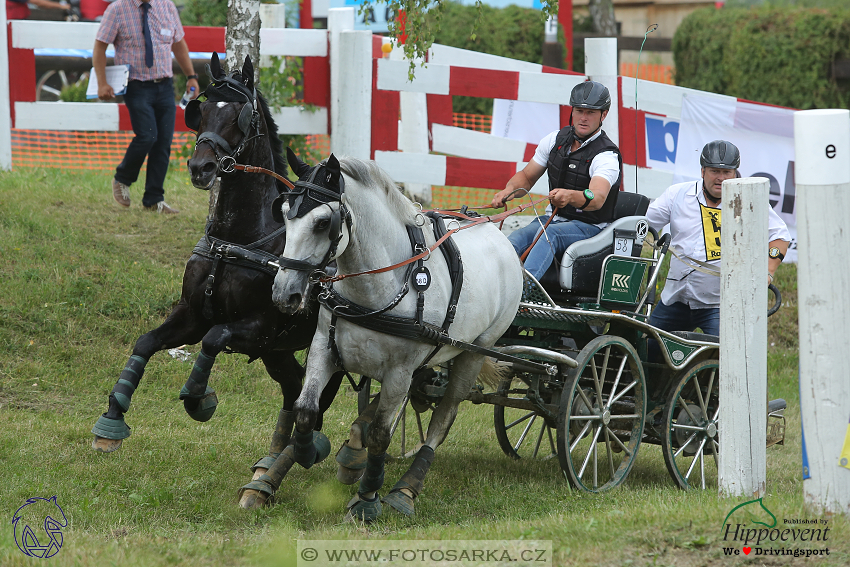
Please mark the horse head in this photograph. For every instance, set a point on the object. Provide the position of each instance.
(318, 226)
(226, 122)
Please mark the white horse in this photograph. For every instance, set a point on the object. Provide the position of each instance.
(373, 214)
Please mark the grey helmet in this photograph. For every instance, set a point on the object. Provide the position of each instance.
(720, 154)
(590, 95)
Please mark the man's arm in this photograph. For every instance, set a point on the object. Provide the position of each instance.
(773, 263)
(104, 91)
(50, 5)
(520, 184)
(181, 54)
(599, 185)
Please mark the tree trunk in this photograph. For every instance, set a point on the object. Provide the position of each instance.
(243, 34)
(602, 13)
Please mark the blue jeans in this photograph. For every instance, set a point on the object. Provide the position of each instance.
(680, 317)
(152, 112)
(561, 233)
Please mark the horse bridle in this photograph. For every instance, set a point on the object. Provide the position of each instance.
(341, 220)
(247, 121)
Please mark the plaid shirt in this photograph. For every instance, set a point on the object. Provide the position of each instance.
(122, 27)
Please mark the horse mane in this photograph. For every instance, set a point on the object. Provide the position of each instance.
(280, 165)
(368, 174)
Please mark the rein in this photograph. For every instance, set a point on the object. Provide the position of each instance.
(474, 221)
(233, 166)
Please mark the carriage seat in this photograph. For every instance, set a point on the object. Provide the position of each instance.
(581, 265)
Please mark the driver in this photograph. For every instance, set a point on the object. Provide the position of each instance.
(585, 170)
(691, 298)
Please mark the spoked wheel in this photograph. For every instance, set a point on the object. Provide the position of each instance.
(50, 85)
(522, 433)
(410, 424)
(690, 426)
(602, 414)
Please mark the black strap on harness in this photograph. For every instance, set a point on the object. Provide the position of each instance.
(242, 256)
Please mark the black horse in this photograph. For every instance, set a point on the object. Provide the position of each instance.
(226, 298)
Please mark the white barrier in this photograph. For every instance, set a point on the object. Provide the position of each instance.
(5, 109)
(742, 468)
(822, 145)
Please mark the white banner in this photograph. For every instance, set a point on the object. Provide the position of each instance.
(763, 134)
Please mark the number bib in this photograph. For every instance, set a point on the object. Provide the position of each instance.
(711, 232)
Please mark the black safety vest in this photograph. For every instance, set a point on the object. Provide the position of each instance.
(572, 171)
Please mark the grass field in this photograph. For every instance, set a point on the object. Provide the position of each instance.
(80, 280)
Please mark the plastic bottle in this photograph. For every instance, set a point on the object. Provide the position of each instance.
(187, 97)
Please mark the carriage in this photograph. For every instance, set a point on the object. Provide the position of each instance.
(610, 380)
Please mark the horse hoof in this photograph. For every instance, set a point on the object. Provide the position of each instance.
(203, 408)
(400, 501)
(111, 429)
(252, 499)
(104, 445)
(348, 476)
(360, 509)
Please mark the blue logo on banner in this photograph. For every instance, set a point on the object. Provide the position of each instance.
(656, 139)
(35, 513)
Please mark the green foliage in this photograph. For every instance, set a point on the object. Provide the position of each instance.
(776, 55)
(204, 13)
(75, 92)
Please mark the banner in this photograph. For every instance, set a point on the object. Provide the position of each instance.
(763, 134)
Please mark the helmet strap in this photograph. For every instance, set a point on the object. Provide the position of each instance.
(708, 196)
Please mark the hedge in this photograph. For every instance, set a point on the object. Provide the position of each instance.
(777, 55)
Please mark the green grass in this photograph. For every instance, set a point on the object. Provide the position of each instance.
(81, 279)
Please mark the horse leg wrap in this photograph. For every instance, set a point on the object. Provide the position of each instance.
(282, 432)
(196, 386)
(373, 477)
(311, 448)
(412, 481)
(271, 480)
(199, 400)
(127, 383)
(280, 439)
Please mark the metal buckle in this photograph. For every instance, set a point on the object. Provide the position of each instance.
(227, 164)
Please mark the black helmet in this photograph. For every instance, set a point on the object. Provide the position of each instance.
(591, 95)
(720, 154)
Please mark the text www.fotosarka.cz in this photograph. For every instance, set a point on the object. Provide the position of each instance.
(433, 553)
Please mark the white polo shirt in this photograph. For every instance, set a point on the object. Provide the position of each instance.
(604, 165)
(695, 228)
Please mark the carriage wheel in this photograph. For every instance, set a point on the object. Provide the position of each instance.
(50, 85)
(690, 426)
(522, 433)
(409, 425)
(602, 415)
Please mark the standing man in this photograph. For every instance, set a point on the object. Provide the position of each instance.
(584, 168)
(691, 298)
(144, 33)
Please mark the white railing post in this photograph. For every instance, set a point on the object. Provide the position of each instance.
(822, 177)
(271, 16)
(413, 133)
(600, 65)
(742, 469)
(5, 104)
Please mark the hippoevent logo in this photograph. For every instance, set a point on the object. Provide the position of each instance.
(762, 535)
(38, 513)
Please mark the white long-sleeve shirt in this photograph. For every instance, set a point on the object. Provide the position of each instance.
(695, 229)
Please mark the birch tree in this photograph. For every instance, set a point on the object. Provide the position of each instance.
(243, 34)
(602, 14)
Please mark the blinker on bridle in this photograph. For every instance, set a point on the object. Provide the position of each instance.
(226, 89)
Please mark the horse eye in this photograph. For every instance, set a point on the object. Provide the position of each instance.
(323, 224)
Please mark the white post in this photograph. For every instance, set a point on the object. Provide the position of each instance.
(413, 131)
(351, 134)
(5, 104)
(822, 176)
(600, 65)
(339, 20)
(742, 468)
(271, 16)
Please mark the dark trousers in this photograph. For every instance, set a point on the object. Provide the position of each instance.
(680, 317)
(152, 112)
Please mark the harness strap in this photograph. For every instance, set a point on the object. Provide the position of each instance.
(257, 169)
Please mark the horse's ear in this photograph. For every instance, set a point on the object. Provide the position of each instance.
(248, 73)
(332, 166)
(295, 163)
(215, 66)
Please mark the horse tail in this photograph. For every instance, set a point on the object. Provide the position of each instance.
(493, 372)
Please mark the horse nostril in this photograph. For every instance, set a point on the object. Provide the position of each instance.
(294, 301)
(209, 167)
